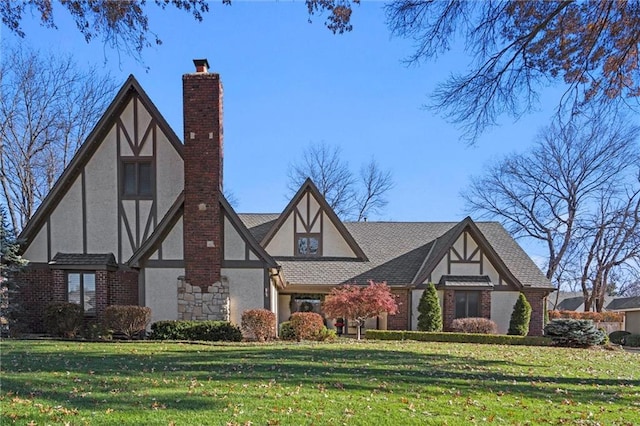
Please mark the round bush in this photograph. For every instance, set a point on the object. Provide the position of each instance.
(618, 336)
(129, 320)
(259, 324)
(306, 325)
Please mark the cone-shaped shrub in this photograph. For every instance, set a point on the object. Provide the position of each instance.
(520, 317)
(430, 317)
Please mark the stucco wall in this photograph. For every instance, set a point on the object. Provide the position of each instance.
(234, 245)
(632, 322)
(66, 220)
(246, 290)
(502, 303)
(101, 192)
(37, 250)
(333, 243)
(169, 174)
(282, 242)
(161, 292)
(284, 310)
(172, 246)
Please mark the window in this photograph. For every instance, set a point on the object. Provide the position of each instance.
(308, 245)
(137, 179)
(81, 289)
(467, 304)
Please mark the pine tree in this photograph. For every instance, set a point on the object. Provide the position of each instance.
(10, 263)
(430, 318)
(519, 325)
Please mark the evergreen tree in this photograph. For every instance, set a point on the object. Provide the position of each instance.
(519, 324)
(10, 264)
(430, 318)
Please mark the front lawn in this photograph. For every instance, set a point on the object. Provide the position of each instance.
(353, 383)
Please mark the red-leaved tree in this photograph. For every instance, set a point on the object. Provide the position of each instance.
(358, 303)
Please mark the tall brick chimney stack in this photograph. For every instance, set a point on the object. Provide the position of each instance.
(202, 108)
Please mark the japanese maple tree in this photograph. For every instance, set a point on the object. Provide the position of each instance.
(358, 303)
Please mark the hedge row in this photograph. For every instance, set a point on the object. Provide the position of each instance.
(195, 330)
(595, 316)
(423, 336)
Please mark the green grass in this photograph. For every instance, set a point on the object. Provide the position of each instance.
(354, 383)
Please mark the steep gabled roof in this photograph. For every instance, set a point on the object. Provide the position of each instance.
(510, 253)
(398, 251)
(89, 147)
(309, 186)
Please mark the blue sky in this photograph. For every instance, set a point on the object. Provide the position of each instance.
(289, 83)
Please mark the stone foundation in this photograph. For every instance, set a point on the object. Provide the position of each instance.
(197, 304)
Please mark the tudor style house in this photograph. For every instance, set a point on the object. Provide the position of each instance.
(138, 217)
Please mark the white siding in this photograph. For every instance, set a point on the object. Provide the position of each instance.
(465, 269)
(282, 242)
(333, 243)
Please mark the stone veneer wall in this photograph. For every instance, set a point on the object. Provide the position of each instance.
(197, 304)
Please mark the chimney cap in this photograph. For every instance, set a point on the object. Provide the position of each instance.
(202, 65)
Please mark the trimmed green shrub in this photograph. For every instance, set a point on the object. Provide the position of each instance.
(430, 318)
(63, 319)
(306, 325)
(211, 331)
(326, 335)
(494, 339)
(574, 333)
(618, 336)
(474, 325)
(520, 317)
(286, 331)
(259, 324)
(129, 320)
(632, 340)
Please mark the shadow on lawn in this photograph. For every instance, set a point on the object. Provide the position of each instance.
(115, 377)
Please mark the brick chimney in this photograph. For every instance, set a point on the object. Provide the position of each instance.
(202, 108)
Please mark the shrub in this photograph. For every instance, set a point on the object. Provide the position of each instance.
(211, 331)
(430, 318)
(474, 325)
(618, 336)
(632, 340)
(494, 339)
(326, 335)
(129, 320)
(286, 331)
(63, 319)
(595, 316)
(520, 317)
(574, 333)
(171, 330)
(306, 325)
(259, 323)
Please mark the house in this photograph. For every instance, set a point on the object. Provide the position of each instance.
(138, 217)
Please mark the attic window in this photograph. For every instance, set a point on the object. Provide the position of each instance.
(308, 245)
(137, 179)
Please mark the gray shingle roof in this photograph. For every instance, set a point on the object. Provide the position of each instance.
(69, 259)
(396, 253)
(623, 303)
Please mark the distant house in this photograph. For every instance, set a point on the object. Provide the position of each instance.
(138, 217)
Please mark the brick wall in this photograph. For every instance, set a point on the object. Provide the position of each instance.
(400, 321)
(202, 109)
(485, 304)
(35, 291)
(449, 309)
(536, 299)
(123, 287)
